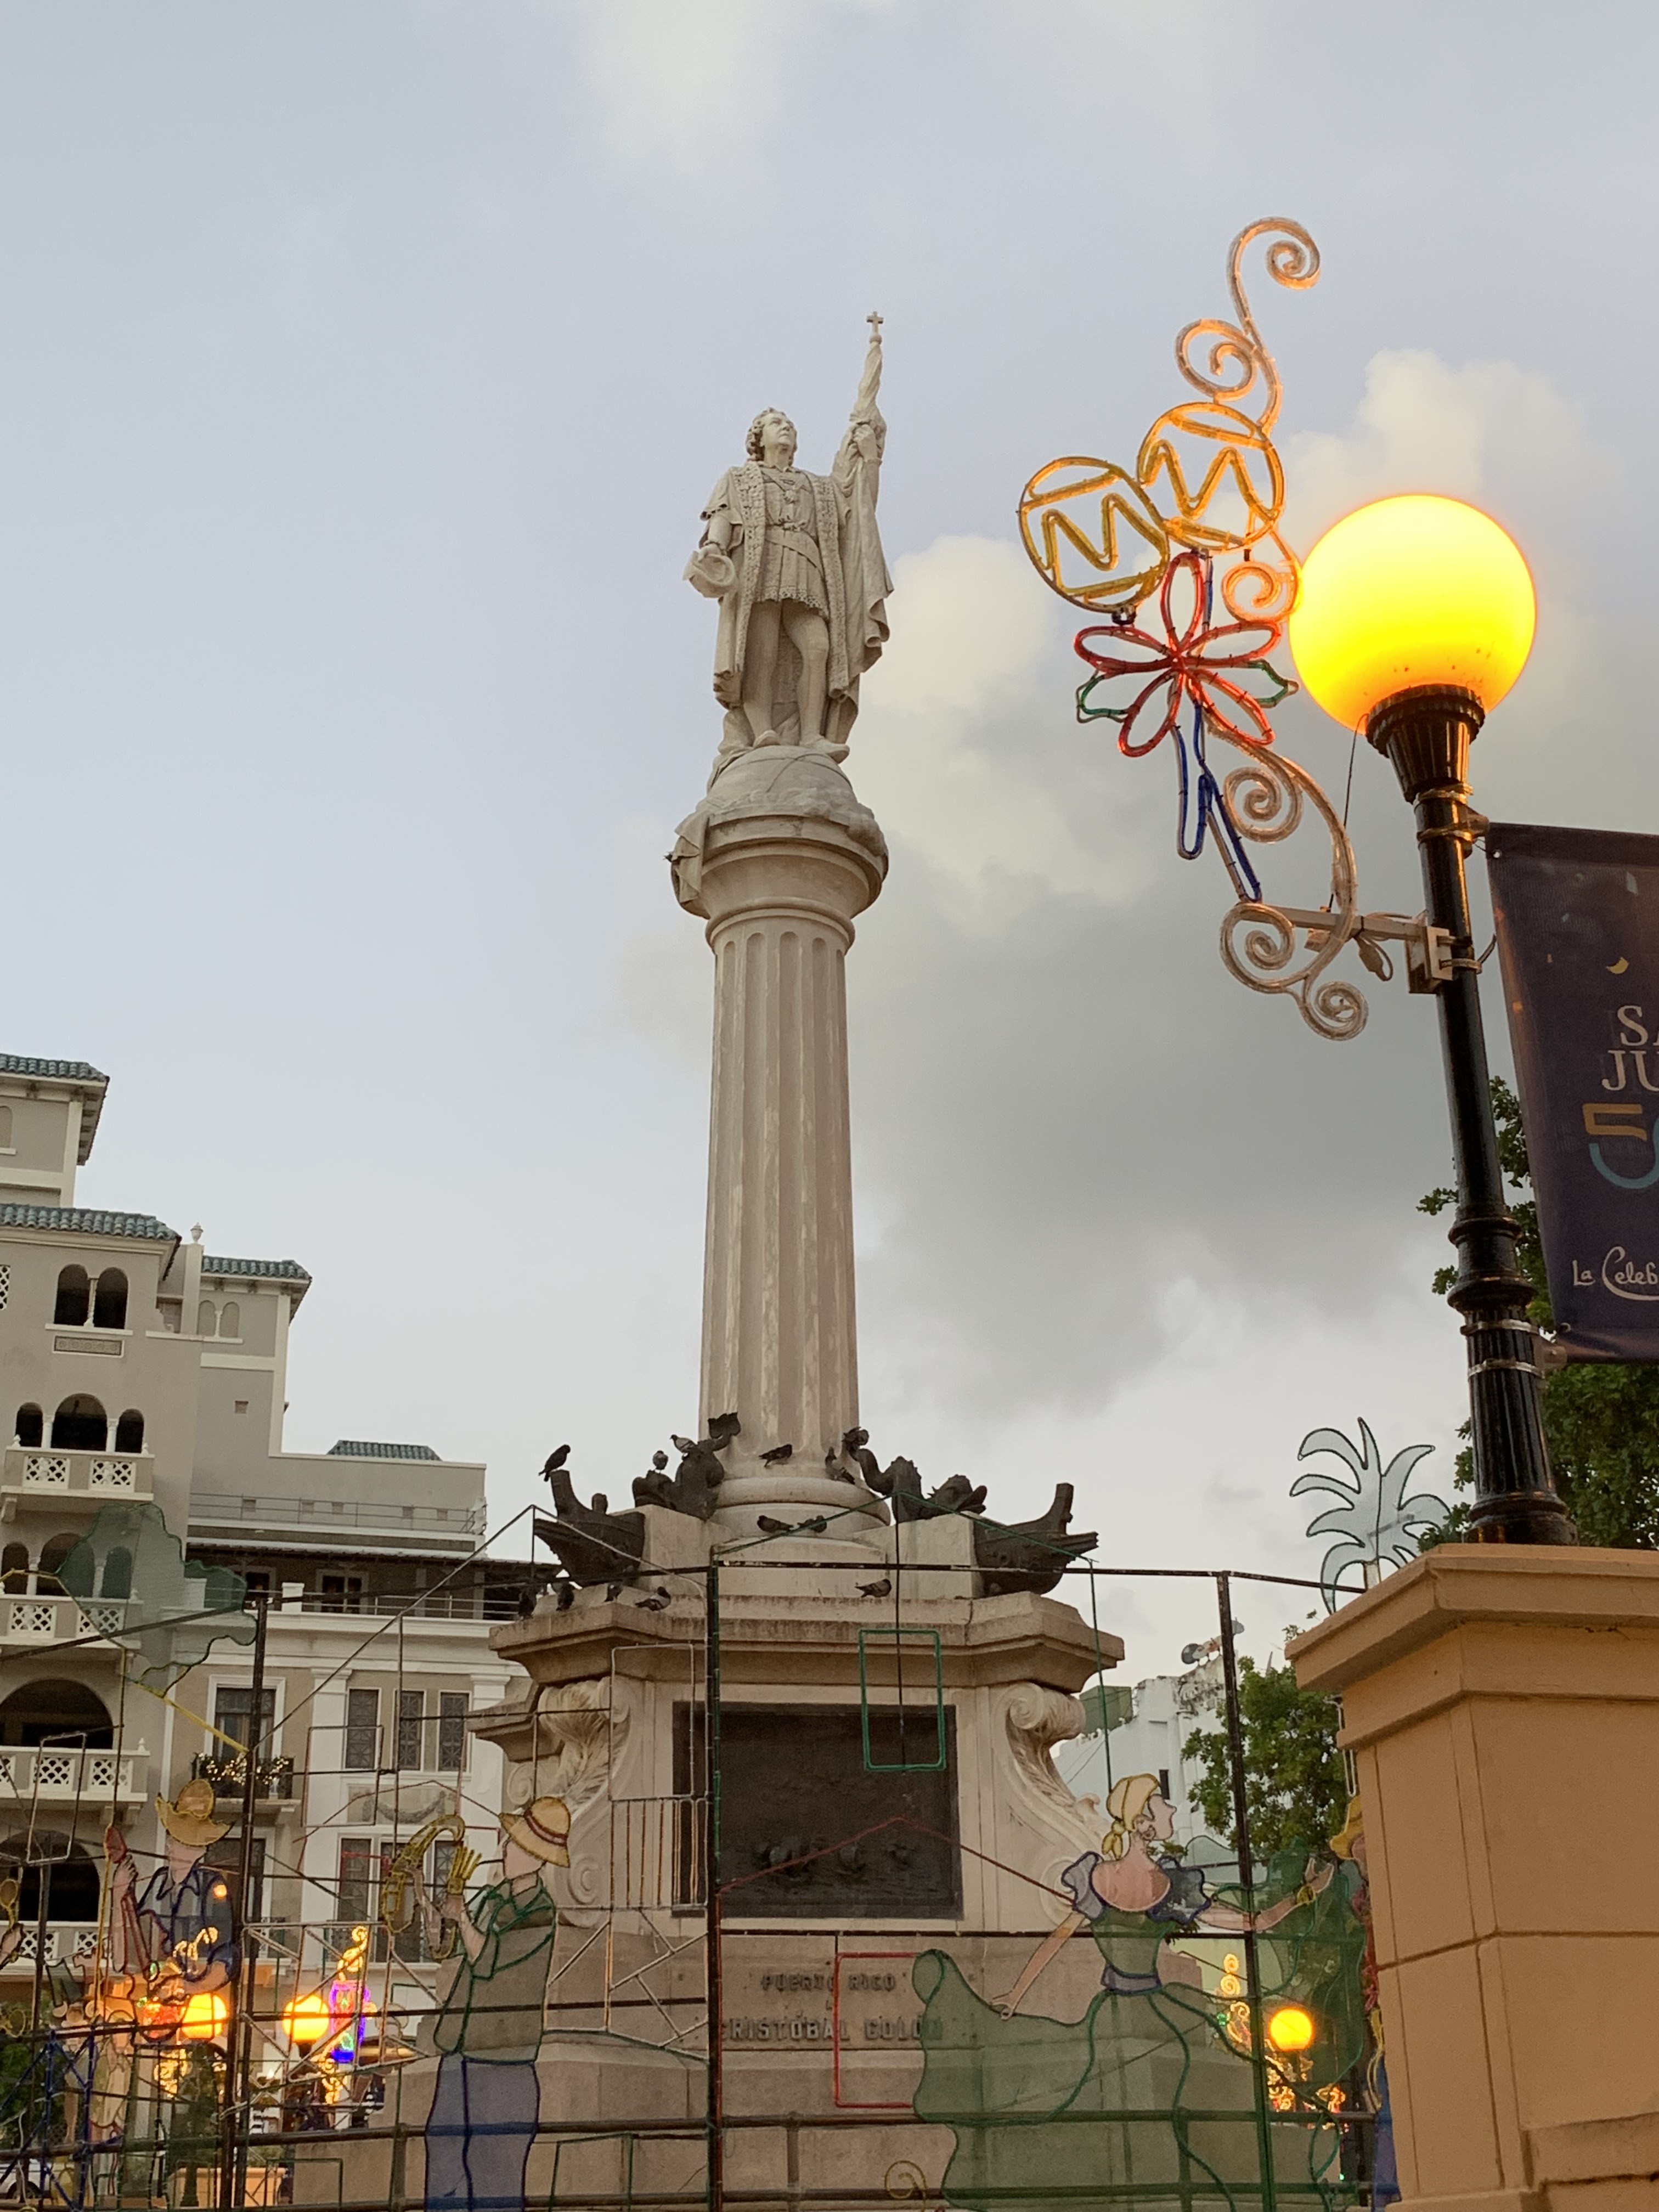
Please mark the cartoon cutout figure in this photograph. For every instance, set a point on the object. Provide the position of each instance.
(1089, 2095)
(180, 1930)
(172, 1940)
(1349, 1843)
(488, 2101)
(1130, 1875)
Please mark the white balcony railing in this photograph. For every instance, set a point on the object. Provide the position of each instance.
(437, 1605)
(334, 1514)
(68, 1941)
(29, 1471)
(51, 1776)
(35, 1618)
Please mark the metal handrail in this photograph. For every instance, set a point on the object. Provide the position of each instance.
(325, 1513)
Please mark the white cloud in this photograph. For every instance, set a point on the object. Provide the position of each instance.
(694, 82)
(1189, 1462)
(1474, 432)
(966, 747)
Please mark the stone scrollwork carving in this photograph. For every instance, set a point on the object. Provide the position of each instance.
(567, 1742)
(1035, 1719)
(566, 1745)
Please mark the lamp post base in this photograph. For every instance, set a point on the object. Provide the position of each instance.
(1426, 733)
(1524, 1517)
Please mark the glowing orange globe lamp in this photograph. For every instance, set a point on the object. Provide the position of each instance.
(1291, 2029)
(1408, 592)
(306, 2020)
(205, 2017)
(1415, 617)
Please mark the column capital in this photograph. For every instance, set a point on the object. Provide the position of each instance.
(792, 820)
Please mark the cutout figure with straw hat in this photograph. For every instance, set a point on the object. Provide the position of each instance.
(178, 1932)
(487, 2104)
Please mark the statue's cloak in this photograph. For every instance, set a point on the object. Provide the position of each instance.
(856, 582)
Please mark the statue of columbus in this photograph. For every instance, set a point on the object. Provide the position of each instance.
(796, 563)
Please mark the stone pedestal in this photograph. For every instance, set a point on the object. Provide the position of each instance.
(820, 2014)
(1502, 1705)
(616, 1685)
(779, 860)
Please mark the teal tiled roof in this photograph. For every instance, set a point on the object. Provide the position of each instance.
(64, 1070)
(84, 1222)
(67, 1071)
(279, 1271)
(348, 1448)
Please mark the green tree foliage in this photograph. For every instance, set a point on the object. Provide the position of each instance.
(1294, 1788)
(1602, 1419)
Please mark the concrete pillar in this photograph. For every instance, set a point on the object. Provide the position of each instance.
(1503, 1707)
(779, 860)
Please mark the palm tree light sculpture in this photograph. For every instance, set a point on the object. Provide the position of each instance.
(1374, 1517)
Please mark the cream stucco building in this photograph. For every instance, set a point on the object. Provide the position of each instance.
(138, 1367)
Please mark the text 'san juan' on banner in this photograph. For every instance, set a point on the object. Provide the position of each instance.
(1578, 914)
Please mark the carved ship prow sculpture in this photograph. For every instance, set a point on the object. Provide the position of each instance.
(1029, 1555)
(595, 1545)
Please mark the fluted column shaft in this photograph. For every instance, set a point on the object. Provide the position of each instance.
(779, 1332)
(780, 1341)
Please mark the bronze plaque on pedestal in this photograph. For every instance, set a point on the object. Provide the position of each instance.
(847, 1842)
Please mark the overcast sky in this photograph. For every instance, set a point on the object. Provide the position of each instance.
(363, 371)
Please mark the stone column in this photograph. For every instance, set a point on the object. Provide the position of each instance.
(1502, 1703)
(779, 859)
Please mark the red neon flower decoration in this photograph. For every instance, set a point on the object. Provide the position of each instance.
(1187, 663)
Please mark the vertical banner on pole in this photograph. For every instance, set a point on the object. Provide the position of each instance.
(1578, 915)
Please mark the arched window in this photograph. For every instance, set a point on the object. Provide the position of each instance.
(130, 1432)
(56, 1711)
(74, 1297)
(80, 1425)
(50, 1855)
(230, 1320)
(110, 1307)
(30, 1424)
(118, 1572)
(14, 1569)
(207, 1319)
(53, 1553)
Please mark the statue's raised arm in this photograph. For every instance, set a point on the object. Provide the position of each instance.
(867, 432)
(795, 562)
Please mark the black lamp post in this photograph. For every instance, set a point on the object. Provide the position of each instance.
(1426, 732)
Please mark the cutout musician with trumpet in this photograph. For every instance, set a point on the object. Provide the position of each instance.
(486, 2106)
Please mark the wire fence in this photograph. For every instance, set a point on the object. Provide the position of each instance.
(785, 1976)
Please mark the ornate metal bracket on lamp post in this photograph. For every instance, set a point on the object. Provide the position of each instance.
(1411, 619)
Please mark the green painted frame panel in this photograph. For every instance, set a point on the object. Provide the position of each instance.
(896, 1635)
